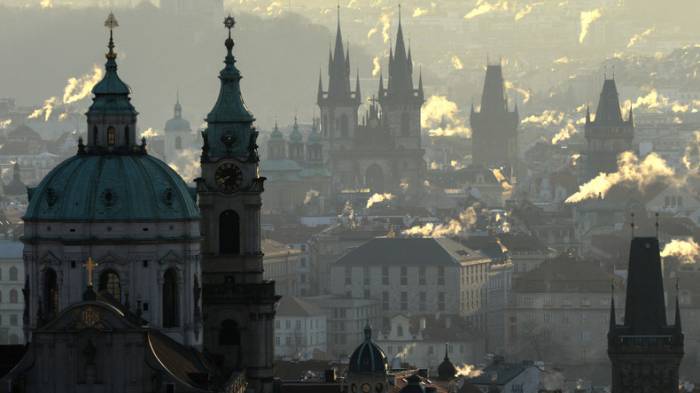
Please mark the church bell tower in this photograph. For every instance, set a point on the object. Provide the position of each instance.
(239, 306)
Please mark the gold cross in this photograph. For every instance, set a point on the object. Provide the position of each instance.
(90, 267)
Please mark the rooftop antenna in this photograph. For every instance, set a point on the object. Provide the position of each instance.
(657, 224)
(632, 224)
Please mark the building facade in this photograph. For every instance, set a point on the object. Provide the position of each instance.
(415, 276)
(11, 299)
(300, 330)
(178, 135)
(558, 311)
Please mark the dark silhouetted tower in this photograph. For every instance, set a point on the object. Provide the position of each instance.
(645, 351)
(608, 135)
(339, 104)
(238, 303)
(495, 127)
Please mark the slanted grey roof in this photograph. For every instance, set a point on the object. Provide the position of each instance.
(387, 251)
(290, 306)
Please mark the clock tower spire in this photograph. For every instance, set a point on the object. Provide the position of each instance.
(238, 304)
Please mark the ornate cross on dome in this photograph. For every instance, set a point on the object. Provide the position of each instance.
(111, 23)
(90, 266)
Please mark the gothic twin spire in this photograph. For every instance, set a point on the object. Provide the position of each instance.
(400, 73)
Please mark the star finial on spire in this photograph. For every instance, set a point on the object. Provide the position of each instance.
(229, 23)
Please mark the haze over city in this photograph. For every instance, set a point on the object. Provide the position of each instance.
(349, 196)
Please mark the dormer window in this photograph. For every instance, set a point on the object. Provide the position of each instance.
(111, 136)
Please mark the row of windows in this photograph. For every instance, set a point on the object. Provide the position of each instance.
(299, 340)
(431, 349)
(13, 274)
(109, 283)
(422, 297)
(403, 277)
(13, 298)
(312, 324)
(13, 320)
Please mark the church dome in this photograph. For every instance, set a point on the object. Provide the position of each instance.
(296, 136)
(111, 187)
(446, 370)
(368, 357)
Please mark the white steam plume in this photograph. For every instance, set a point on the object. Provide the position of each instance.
(630, 170)
(685, 250)
(378, 198)
(441, 117)
(587, 19)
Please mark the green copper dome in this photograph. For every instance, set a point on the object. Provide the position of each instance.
(295, 135)
(108, 187)
(276, 133)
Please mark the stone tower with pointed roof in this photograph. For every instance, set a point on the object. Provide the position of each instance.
(382, 152)
(339, 103)
(495, 126)
(645, 351)
(239, 305)
(608, 134)
(401, 102)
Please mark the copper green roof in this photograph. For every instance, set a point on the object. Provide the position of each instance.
(230, 131)
(295, 135)
(276, 133)
(111, 187)
(111, 93)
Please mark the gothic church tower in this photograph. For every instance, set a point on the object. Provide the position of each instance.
(339, 104)
(645, 351)
(239, 306)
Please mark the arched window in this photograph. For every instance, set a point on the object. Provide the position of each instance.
(50, 292)
(178, 143)
(229, 334)
(94, 135)
(405, 124)
(126, 135)
(13, 296)
(229, 233)
(171, 306)
(344, 128)
(13, 273)
(111, 136)
(110, 283)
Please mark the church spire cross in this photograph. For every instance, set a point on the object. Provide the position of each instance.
(90, 266)
(111, 23)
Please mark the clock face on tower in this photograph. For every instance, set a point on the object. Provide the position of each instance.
(228, 177)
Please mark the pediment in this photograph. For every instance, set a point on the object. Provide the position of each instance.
(89, 315)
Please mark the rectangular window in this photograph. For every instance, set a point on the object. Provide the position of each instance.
(441, 301)
(366, 293)
(348, 275)
(441, 275)
(385, 275)
(404, 275)
(288, 324)
(385, 301)
(365, 275)
(298, 324)
(404, 301)
(422, 301)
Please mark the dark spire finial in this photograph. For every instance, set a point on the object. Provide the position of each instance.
(111, 23)
(657, 224)
(632, 224)
(229, 23)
